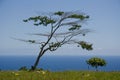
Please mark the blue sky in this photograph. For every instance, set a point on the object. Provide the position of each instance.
(104, 21)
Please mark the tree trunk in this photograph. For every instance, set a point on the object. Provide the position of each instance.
(36, 62)
(96, 68)
(88, 67)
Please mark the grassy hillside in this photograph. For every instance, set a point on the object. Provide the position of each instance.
(65, 75)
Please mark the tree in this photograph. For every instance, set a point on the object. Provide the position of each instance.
(95, 62)
(64, 28)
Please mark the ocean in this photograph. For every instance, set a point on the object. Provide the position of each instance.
(58, 63)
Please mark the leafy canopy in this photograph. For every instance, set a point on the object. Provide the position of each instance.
(95, 62)
(72, 21)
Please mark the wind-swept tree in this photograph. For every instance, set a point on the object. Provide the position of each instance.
(63, 28)
(96, 62)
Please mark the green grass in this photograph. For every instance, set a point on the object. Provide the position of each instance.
(65, 75)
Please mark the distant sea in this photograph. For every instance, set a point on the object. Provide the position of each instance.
(58, 63)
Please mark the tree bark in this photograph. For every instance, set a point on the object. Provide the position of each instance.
(37, 61)
(96, 68)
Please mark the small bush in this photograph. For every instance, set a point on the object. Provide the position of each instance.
(24, 68)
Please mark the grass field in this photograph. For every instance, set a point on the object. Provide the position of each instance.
(65, 75)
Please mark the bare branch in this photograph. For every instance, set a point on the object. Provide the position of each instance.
(70, 23)
(29, 41)
(40, 34)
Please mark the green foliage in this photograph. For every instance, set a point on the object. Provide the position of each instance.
(65, 75)
(40, 20)
(53, 46)
(31, 41)
(74, 27)
(45, 20)
(77, 16)
(85, 45)
(59, 13)
(95, 62)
